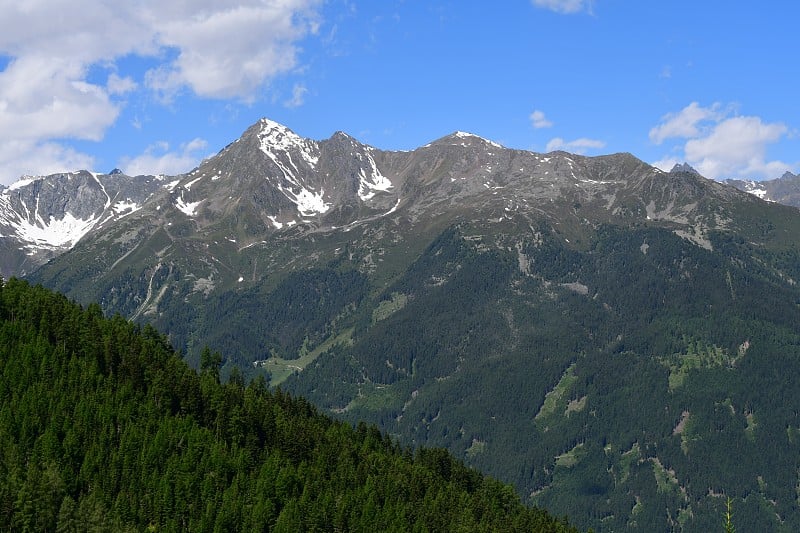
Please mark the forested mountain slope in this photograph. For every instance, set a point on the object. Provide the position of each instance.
(618, 342)
(634, 384)
(104, 428)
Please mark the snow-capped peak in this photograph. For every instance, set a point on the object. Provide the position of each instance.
(47, 215)
(466, 135)
(276, 137)
(462, 138)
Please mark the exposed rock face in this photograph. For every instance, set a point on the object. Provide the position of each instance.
(41, 217)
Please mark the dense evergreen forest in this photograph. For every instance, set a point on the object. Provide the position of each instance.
(103, 427)
(632, 385)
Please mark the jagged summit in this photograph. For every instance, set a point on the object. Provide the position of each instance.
(274, 137)
(684, 167)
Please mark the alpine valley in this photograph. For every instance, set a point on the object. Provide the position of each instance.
(619, 343)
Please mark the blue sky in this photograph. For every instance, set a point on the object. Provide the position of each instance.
(154, 87)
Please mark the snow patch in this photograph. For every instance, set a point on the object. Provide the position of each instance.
(375, 182)
(308, 202)
(126, 206)
(22, 182)
(279, 225)
(187, 208)
(188, 186)
(55, 233)
(392, 210)
(756, 189)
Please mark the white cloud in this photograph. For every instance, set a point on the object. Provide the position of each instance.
(157, 159)
(117, 85)
(40, 100)
(719, 145)
(215, 49)
(736, 146)
(229, 49)
(538, 120)
(565, 6)
(684, 123)
(298, 96)
(578, 146)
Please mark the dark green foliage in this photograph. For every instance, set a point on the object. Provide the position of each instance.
(638, 331)
(104, 428)
(258, 323)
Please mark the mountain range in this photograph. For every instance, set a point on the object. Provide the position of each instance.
(616, 341)
(784, 190)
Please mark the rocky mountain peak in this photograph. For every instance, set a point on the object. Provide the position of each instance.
(43, 216)
(464, 139)
(684, 167)
(274, 138)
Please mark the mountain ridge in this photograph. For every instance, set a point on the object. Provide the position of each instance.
(41, 217)
(287, 191)
(784, 190)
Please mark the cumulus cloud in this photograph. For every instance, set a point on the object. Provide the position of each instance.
(229, 49)
(578, 146)
(685, 122)
(219, 49)
(538, 120)
(158, 159)
(719, 144)
(736, 145)
(565, 6)
(40, 100)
